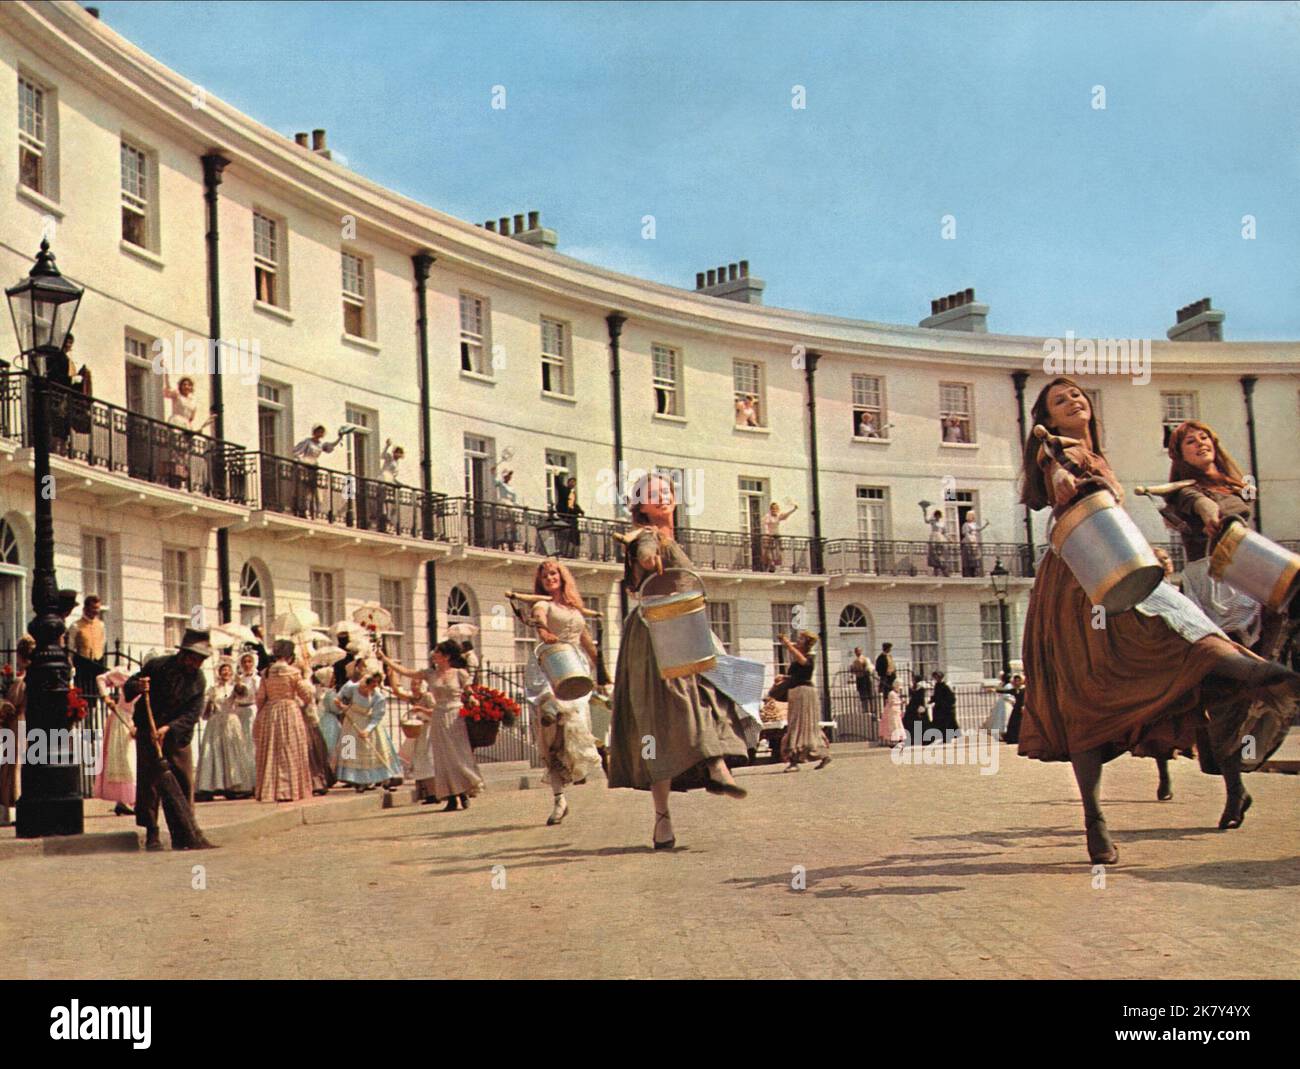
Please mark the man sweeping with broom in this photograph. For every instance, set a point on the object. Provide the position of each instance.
(174, 690)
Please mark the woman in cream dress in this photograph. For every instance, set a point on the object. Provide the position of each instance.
(562, 728)
(456, 776)
(247, 682)
(225, 764)
(417, 753)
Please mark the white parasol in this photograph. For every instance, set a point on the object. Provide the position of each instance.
(373, 615)
(462, 632)
(294, 622)
(223, 636)
(325, 655)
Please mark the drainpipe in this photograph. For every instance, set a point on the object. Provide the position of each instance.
(213, 164)
(818, 564)
(1248, 391)
(1020, 378)
(422, 261)
(614, 321)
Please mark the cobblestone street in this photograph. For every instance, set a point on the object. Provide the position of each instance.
(928, 871)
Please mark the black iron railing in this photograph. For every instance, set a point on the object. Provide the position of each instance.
(945, 560)
(114, 439)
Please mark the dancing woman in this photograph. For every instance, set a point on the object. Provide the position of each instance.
(456, 777)
(420, 755)
(665, 734)
(366, 756)
(562, 728)
(1140, 683)
(804, 739)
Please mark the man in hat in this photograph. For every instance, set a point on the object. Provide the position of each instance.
(177, 691)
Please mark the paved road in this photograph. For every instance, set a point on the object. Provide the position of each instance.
(910, 872)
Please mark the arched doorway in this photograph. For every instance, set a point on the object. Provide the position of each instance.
(854, 630)
(13, 588)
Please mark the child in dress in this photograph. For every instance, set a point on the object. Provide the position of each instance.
(116, 781)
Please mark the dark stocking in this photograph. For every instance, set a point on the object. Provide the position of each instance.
(1087, 773)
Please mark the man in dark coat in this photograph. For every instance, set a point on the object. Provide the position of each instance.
(177, 691)
(945, 707)
(886, 670)
(259, 648)
(341, 667)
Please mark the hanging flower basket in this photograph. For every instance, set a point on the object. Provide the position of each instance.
(482, 733)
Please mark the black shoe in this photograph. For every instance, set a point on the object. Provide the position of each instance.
(123, 810)
(824, 762)
(731, 790)
(152, 841)
(464, 801)
(1164, 792)
(429, 801)
(666, 844)
(451, 806)
(1234, 812)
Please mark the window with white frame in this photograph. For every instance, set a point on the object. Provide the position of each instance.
(783, 616)
(956, 414)
(356, 316)
(392, 596)
(36, 125)
(1177, 407)
(96, 576)
(143, 387)
(135, 196)
(255, 597)
(363, 446)
(869, 407)
(596, 624)
(747, 392)
(555, 357)
(273, 418)
(667, 362)
(720, 624)
(268, 280)
(991, 636)
(178, 594)
(325, 600)
(525, 640)
(475, 345)
(873, 513)
(753, 503)
(559, 467)
(923, 621)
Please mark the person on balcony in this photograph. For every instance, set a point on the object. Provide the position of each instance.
(307, 453)
(972, 563)
(184, 415)
(566, 505)
(507, 531)
(938, 549)
(389, 461)
(772, 535)
(283, 762)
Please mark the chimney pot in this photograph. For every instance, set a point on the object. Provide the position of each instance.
(534, 220)
(300, 139)
(733, 271)
(519, 224)
(503, 225)
(722, 273)
(970, 296)
(744, 269)
(93, 12)
(491, 225)
(699, 280)
(713, 277)
(318, 140)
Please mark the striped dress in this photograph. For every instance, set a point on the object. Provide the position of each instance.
(283, 764)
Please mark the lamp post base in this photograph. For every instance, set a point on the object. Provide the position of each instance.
(38, 817)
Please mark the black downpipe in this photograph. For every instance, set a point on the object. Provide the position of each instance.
(422, 262)
(1020, 378)
(213, 164)
(614, 321)
(1248, 391)
(818, 564)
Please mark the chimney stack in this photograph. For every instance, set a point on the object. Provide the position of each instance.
(318, 145)
(731, 282)
(300, 138)
(93, 12)
(1197, 321)
(527, 228)
(958, 311)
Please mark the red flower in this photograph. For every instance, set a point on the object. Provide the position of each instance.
(77, 707)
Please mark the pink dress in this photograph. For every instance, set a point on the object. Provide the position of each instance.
(283, 762)
(892, 731)
(116, 780)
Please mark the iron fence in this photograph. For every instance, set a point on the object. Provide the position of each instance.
(860, 556)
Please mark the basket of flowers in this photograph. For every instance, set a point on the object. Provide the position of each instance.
(485, 710)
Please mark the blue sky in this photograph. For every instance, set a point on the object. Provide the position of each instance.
(1068, 217)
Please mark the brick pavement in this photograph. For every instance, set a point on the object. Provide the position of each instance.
(930, 871)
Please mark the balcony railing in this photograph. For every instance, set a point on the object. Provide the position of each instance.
(311, 492)
(114, 439)
(920, 559)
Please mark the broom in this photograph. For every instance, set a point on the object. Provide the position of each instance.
(181, 825)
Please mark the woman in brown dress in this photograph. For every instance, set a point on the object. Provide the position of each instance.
(13, 711)
(1145, 680)
(283, 765)
(665, 734)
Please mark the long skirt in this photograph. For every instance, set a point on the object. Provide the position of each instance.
(366, 760)
(318, 754)
(454, 769)
(1143, 683)
(422, 761)
(283, 764)
(891, 722)
(566, 745)
(225, 762)
(12, 747)
(667, 729)
(116, 780)
(996, 721)
(804, 739)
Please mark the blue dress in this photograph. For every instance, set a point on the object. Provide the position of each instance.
(369, 758)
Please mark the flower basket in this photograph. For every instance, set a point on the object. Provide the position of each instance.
(482, 733)
(412, 728)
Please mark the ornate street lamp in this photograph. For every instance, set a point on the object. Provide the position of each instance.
(43, 307)
(999, 577)
(553, 536)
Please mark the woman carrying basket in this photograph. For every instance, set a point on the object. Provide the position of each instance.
(665, 734)
(1143, 681)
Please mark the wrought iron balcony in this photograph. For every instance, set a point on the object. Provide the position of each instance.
(857, 556)
(310, 492)
(116, 440)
